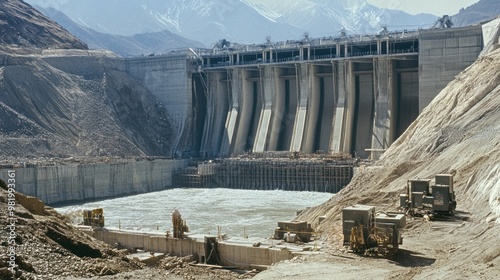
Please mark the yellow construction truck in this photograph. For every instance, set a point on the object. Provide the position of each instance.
(94, 217)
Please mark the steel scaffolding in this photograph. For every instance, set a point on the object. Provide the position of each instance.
(289, 172)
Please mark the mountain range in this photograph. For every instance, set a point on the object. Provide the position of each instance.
(164, 25)
(242, 21)
(159, 42)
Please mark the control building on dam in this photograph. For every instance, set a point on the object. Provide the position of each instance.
(347, 94)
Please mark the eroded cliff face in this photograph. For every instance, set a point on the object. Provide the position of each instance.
(76, 103)
(22, 25)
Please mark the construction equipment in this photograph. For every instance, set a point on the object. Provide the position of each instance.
(294, 231)
(94, 217)
(419, 200)
(372, 233)
(443, 22)
(180, 226)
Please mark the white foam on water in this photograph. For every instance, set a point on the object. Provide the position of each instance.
(252, 212)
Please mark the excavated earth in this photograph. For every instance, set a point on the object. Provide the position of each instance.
(60, 100)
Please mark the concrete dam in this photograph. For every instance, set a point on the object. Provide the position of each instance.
(349, 94)
(266, 111)
(352, 95)
(307, 102)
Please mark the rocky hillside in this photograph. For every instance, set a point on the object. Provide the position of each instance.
(63, 103)
(458, 132)
(481, 11)
(76, 103)
(24, 26)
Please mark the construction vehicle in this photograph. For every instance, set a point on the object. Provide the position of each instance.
(94, 217)
(370, 233)
(422, 200)
(294, 231)
(180, 225)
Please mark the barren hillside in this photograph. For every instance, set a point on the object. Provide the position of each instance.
(76, 103)
(458, 132)
(64, 103)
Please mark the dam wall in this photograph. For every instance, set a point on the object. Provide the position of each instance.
(352, 95)
(443, 54)
(347, 94)
(167, 78)
(77, 182)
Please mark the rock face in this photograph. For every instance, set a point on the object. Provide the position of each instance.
(61, 103)
(76, 103)
(22, 25)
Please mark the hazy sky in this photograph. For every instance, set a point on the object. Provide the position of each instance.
(435, 7)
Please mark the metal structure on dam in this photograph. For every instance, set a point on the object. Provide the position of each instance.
(352, 95)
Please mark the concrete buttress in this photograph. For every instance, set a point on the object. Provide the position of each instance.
(304, 86)
(263, 130)
(230, 127)
(245, 114)
(383, 78)
(349, 92)
(217, 111)
(337, 135)
(278, 112)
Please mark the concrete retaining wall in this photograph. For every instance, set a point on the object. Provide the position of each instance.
(244, 256)
(73, 182)
(443, 54)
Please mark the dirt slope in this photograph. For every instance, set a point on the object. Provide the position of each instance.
(458, 132)
(47, 246)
